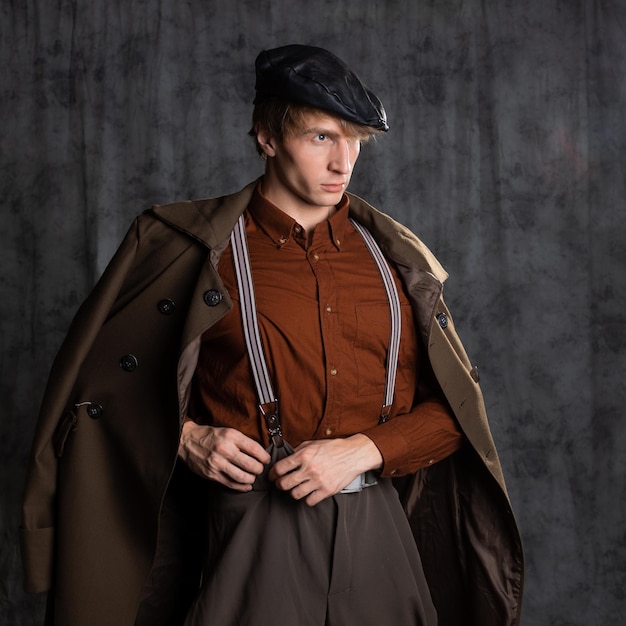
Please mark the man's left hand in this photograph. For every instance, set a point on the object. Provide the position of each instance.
(320, 469)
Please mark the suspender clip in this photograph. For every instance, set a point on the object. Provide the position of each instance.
(384, 414)
(269, 410)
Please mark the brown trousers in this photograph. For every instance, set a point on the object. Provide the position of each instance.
(271, 561)
(349, 561)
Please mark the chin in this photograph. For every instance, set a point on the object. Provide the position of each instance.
(333, 197)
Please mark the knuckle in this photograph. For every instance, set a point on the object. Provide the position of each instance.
(316, 473)
(227, 433)
(218, 463)
(308, 453)
(221, 448)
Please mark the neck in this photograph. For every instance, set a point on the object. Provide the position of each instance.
(306, 214)
(306, 218)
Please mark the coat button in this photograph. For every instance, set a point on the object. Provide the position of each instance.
(129, 363)
(212, 297)
(166, 306)
(442, 318)
(94, 410)
(474, 374)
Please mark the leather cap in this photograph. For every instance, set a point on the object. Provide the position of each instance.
(315, 77)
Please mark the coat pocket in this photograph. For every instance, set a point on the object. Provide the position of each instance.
(67, 424)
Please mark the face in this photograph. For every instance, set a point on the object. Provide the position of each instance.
(310, 168)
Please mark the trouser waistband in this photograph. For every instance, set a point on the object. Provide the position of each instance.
(362, 481)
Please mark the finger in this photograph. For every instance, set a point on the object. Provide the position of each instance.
(230, 478)
(315, 497)
(232, 471)
(302, 491)
(310, 495)
(249, 446)
(239, 450)
(237, 475)
(242, 461)
(254, 450)
(289, 482)
(232, 484)
(285, 466)
(247, 464)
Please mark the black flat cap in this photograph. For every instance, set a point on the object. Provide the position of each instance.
(317, 78)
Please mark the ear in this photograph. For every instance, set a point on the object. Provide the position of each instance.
(267, 141)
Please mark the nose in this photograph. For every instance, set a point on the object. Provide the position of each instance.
(344, 156)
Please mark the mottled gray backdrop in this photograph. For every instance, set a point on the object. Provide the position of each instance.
(506, 154)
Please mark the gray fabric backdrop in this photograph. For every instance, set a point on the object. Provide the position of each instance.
(506, 155)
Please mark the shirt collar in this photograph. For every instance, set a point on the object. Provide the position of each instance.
(280, 227)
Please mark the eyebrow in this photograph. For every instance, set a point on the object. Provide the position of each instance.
(319, 130)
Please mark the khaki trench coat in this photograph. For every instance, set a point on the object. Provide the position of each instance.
(106, 440)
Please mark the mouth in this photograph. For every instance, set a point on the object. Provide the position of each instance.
(334, 187)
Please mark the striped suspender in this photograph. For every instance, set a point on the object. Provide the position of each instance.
(396, 320)
(268, 403)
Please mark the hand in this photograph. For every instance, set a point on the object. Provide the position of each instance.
(224, 455)
(320, 469)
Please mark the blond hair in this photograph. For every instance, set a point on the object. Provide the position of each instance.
(281, 118)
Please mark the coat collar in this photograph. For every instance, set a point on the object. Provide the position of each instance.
(397, 241)
(208, 221)
(211, 221)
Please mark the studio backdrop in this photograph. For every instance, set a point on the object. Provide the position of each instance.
(506, 155)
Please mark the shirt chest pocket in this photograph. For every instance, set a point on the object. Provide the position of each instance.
(371, 342)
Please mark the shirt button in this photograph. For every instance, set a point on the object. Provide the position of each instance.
(328, 308)
(282, 240)
(297, 228)
(338, 242)
(431, 461)
(329, 431)
(316, 256)
(333, 371)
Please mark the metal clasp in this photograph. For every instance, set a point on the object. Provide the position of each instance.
(269, 410)
(384, 414)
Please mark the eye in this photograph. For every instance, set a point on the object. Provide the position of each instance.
(320, 137)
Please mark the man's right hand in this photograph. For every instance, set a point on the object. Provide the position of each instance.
(224, 455)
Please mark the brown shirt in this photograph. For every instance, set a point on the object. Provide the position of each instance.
(324, 321)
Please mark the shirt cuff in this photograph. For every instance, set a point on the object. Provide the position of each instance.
(418, 439)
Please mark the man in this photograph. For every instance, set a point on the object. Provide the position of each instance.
(290, 347)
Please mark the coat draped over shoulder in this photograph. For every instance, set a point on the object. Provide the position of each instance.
(106, 440)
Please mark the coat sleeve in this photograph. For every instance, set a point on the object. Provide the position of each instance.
(37, 531)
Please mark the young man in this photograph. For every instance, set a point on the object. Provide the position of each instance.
(290, 346)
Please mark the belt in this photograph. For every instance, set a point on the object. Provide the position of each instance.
(362, 481)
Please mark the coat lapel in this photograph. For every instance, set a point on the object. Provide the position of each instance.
(210, 222)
